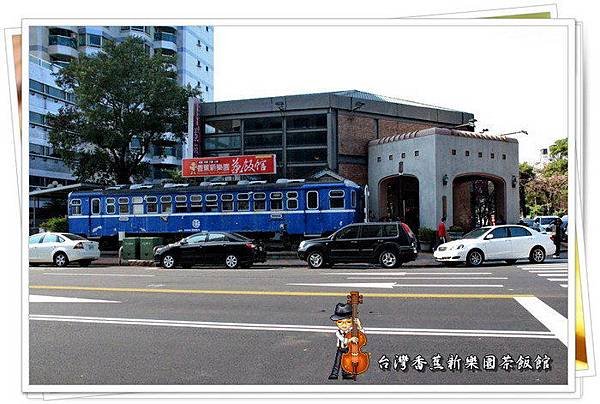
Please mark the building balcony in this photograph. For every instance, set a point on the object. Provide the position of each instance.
(62, 47)
(165, 36)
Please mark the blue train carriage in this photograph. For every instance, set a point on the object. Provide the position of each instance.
(298, 208)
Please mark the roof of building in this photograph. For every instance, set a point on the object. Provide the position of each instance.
(347, 100)
(443, 132)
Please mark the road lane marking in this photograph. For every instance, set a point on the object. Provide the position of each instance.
(61, 299)
(281, 293)
(382, 273)
(430, 278)
(557, 279)
(546, 272)
(550, 318)
(391, 285)
(86, 274)
(293, 327)
(563, 285)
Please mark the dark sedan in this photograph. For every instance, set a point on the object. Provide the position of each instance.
(211, 248)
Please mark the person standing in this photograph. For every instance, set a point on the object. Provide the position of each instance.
(442, 235)
(557, 236)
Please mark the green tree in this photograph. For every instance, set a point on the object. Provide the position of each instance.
(125, 101)
(526, 174)
(559, 163)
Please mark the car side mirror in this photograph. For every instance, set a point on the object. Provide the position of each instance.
(489, 236)
(184, 242)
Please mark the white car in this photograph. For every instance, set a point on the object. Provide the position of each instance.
(497, 243)
(62, 248)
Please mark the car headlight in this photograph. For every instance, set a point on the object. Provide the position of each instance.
(302, 244)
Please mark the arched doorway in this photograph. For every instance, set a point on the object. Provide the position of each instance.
(478, 200)
(399, 199)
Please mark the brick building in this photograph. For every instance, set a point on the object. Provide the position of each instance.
(311, 132)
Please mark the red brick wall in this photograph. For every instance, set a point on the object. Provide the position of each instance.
(390, 127)
(354, 133)
(354, 172)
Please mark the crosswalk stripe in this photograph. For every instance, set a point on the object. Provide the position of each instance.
(553, 275)
(563, 285)
(557, 279)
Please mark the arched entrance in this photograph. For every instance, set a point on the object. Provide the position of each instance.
(478, 200)
(399, 199)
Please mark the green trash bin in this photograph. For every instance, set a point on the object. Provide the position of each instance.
(147, 245)
(131, 248)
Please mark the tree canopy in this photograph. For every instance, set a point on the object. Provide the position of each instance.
(126, 100)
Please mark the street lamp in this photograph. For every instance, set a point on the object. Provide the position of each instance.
(358, 105)
(523, 131)
(471, 123)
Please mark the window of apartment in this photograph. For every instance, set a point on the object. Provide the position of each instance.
(453, 152)
(199, 43)
(492, 155)
(467, 153)
(307, 155)
(260, 201)
(312, 200)
(391, 157)
(137, 203)
(95, 206)
(206, 68)
(292, 200)
(263, 124)
(207, 48)
(123, 205)
(110, 206)
(243, 202)
(198, 64)
(276, 200)
(403, 155)
(227, 202)
(336, 199)
(165, 204)
(416, 153)
(223, 126)
(180, 203)
(206, 88)
(379, 159)
(196, 203)
(306, 122)
(504, 157)
(212, 204)
(76, 207)
(151, 204)
(480, 154)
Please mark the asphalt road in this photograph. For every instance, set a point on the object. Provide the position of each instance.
(270, 325)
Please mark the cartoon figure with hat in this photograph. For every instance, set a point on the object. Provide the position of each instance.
(342, 317)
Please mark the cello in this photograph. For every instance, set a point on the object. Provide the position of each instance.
(355, 361)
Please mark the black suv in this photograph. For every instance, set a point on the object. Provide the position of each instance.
(388, 243)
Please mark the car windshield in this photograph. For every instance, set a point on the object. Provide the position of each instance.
(477, 232)
(547, 220)
(71, 236)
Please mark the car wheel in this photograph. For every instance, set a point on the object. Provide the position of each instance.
(168, 261)
(316, 260)
(511, 262)
(475, 258)
(232, 261)
(537, 255)
(61, 259)
(389, 259)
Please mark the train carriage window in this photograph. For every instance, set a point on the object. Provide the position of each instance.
(353, 198)
(180, 204)
(312, 200)
(138, 205)
(123, 206)
(292, 200)
(212, 204)
(276, 200)
(165, 204)
(336, 199)
(227, 202)
(243, 202)
(196, 203)
(260, 201)
(151, 204)
(95, 206)
(110, 206)
(76, 207)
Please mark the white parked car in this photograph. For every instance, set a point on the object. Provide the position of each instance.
(497, 243)
(62, 248)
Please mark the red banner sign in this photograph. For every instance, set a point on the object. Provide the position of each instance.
(230, 165)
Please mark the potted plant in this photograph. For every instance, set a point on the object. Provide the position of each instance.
(455, 233)
(426, 238)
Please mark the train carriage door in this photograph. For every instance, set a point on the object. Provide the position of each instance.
(312, 218)
(94, 218)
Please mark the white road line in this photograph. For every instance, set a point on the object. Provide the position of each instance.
(294, 327)
(391, 285)
(383, 273)
(430, 278)
(87, 274)
(550, 272)
(563, 285)
(557, 279)
(550, 318)
(553, 275)
(60, 299)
